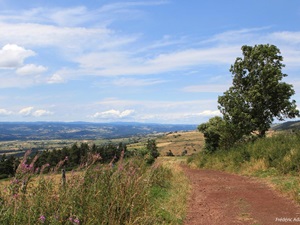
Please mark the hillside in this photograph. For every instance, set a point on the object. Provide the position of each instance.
(290, 125)
(179, 143)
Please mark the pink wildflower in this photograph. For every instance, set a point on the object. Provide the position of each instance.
(42, 218)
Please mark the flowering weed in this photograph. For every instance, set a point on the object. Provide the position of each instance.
(97, 194)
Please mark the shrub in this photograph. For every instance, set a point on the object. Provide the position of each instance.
(169, 153)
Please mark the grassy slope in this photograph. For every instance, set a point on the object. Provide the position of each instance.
(177, 142)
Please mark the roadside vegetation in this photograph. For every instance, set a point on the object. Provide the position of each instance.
(135, 189)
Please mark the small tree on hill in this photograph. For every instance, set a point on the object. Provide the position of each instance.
(152, 151)
(257, 95)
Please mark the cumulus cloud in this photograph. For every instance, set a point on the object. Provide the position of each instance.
(4, 112)
(12, 56)
(29, 111)
(113, 114)
(210, 113)
(55, 79)
(179, 117)
(26, 111)
(31, 69)
(162, 111)
(41, 112)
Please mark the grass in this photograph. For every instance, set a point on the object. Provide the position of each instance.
(129, 192)
(173, 200)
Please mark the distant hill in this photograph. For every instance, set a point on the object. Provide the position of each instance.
(10, 131)
(290, 125)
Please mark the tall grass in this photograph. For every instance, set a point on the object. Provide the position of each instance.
(280, 152)
(99, 194)
(172, 203)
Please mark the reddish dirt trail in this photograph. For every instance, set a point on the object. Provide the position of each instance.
(219, 198)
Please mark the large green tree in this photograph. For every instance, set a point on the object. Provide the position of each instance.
(257, 94)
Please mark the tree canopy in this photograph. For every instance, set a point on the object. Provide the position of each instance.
(257, 94)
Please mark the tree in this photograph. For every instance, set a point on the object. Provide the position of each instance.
(7, 166)
(219, 134)
(257, 95)
(152, 151)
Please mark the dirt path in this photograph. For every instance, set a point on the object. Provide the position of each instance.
(220, 198)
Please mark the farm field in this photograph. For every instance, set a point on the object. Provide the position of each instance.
(190, 142)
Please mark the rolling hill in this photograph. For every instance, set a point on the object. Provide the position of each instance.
(290, 125)
(22, 131)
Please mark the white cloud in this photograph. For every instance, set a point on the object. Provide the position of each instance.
(175, 117)
(55, 79)
(210, 113)
(12, 55)
(286, 41)
(71, 16)
(291, 38)
(29, 111)
(79, 15)
(4, 112)
(66, 39)
(26, 111)
(121, 63)
(31, 69)
(41, 112)
(194, 56)
(113, 114)
(162, 111)
(221, 50)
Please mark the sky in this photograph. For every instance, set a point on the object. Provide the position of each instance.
(157, 61)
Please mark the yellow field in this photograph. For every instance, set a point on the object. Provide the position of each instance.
(177, 142)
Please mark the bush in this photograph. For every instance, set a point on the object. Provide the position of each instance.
(169, 153)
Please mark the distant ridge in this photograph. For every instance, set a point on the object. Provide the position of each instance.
(10, 131)
(290, 125)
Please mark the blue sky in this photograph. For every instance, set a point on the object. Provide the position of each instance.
(162, 61)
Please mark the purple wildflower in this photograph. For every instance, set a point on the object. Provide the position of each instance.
(76, 221)
(42, 218)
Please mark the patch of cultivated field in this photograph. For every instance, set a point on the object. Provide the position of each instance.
(178, 142)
